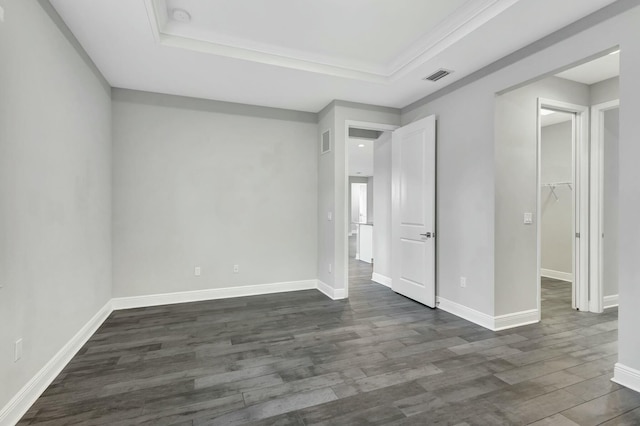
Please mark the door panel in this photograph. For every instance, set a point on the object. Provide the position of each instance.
(413, 211)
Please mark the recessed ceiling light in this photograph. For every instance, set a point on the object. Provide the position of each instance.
(546, 111)
(615, 52)
(361, 145)
(180, 15)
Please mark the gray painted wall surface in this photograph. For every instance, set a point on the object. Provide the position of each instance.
(557, 214)
(611, 202)
(382, 205)
(55, 192)
(326, 200)
(604, 91)
(196, 187)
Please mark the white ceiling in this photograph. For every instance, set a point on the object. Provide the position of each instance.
(360, 158)
(555, 118)
(302, 55)
(594, 71)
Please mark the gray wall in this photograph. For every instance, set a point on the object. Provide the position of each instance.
(197, 185)
(382, 205)
(557, 213)
(55, 192)
(604, 91)
(611, 201)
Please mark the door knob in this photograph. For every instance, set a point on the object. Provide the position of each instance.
(429, 235)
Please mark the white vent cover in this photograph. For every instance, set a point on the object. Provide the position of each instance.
(441, 73)
(326, 142)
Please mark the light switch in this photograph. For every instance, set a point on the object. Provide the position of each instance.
(528, 218)
(1, 14)
(330, 216)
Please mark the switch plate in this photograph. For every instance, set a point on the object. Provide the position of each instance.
(18, 350)
(528, 218)
(330, 268)
(330, 216)
(197, 271)
(236, 269)
(1, 14)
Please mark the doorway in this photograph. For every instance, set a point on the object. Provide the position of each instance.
(559, 221)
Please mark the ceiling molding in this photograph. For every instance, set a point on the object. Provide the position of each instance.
(472, 15)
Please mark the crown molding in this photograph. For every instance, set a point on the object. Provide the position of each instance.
(465, 20)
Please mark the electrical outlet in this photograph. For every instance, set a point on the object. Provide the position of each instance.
(330, 268)
(17, 350)
(330, 216)
(236, 269)
(197, 271)
(528, 218)
(463, 282)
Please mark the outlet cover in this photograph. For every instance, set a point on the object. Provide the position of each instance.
(197, 271)
(463, 282)
(236, 269)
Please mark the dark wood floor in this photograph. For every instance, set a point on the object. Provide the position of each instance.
(378, 358)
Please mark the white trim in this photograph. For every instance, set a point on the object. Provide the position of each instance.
(210, 294)
(557, 275)
(27, 396)
(610, 301)
(330, 292)
(497, 323)
(381, 279)
(626, 376)
(516, 319)
(596, 251)
(465, 312)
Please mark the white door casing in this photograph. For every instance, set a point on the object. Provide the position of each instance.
(413, 190)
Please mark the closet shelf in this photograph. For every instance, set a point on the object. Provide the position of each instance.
(553, 185)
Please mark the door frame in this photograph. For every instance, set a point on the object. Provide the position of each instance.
(346, 214)
(580, 160)
(596, 302)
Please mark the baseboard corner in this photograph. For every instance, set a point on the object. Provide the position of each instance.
(330, 292)
(626, 376)
(381, 279)
(610, 301)
(31, 391)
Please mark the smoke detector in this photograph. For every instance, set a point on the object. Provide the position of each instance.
(180, 15)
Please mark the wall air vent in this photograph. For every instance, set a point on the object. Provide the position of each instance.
(325, 143)
(441, 73)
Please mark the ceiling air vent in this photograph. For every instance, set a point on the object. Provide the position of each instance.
(441, 73)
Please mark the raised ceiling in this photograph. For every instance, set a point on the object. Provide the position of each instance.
(302, 55)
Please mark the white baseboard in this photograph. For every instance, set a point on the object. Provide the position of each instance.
(610, 301)
(516, 319)
(210, 294)
(27, 396)
(627, 377)
(381, 279)
(557, 275)
(497, 323)
(465, 312)
(330, 292)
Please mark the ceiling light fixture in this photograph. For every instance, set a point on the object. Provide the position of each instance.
(181, 15)
(361, 145)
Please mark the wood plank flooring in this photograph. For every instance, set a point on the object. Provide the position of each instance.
(378, 358)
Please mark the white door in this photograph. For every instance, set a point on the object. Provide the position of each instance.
(413, 190)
